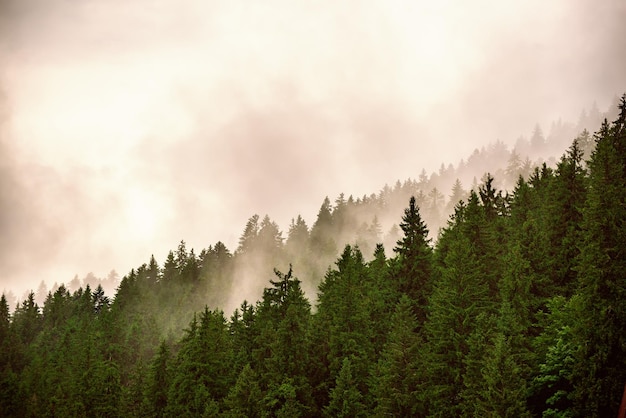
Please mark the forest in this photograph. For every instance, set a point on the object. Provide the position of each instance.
(513, 306)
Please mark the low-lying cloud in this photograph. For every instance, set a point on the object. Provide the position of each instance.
(127, 127)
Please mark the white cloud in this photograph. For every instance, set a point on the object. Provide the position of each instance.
(133, 125)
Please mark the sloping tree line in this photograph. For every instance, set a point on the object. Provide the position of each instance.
(519, 309)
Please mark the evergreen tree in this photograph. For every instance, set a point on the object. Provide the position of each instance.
(343, 318)
(457, 195)
(298, 235)
(270, 241)
(282, 401)
(382, 297)
(170, 271)
(345, 398)
(297, 245)
(398, 383)
(243, 334)
(244, 399)
(100, 302)
(563, 221)
(460, 296)
(159, 382)
(216, 275)
(27, 320)
(280, 353)
(153, 273)
(413, 264)
(504, 389)
(323, 244)
(250, 233)
(101, 389)
(10, 362)
(514, 167)
(551, 389)
(203, 374)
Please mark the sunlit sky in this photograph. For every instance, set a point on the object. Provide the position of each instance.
(128, 126)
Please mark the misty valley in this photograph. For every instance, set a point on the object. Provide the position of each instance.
(496, 287)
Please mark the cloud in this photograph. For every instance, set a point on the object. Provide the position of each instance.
(131, 126)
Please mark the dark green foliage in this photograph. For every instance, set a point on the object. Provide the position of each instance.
(245, 399)
(398, 381)
(343, 321)
(503, 391)
(282, 401)
(462, 302)
(600, 367)
(563, 212)
(552, 387)
(10, 363)
(203, 374)
(27, 320)
(413, 264)
(345, 398)
(282, 328)
(159, 382)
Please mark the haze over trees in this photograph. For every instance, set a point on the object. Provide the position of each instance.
(512, 306)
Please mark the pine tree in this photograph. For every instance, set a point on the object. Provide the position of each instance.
(243, 334)
(323, 244)
(281, 342)
(282, 401)
(102, 390)
(345, 398)
(551, 389)
(249, 235)
(514, 167)
(504, 389)
(457, 195)
(170, 272)
(297, 244)
(10, 359)
(159, 381)
(399, 380)
(100, 301)
(413, 264)
(203, 367)
(5, 330)
(270, 241)
(153, 273)
(567, 194)
(461, 295)
(382, 297)
(245, 398)
(343, 316)
(27, 320)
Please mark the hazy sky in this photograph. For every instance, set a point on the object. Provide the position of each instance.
(126, 126)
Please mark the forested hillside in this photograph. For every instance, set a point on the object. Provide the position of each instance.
(517, 308)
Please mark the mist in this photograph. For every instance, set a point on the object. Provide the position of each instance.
(125, 128)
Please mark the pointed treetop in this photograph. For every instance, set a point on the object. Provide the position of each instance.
(414, 228)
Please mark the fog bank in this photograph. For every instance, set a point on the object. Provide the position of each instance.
(126, 127)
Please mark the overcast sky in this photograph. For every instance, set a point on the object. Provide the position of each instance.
(126, 126)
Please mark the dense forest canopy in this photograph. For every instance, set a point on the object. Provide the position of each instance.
(514, 305)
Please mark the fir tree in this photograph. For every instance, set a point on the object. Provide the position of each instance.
(413, 264)
(245, 398)
(345, 398)
(159, 381)
(398, 383)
